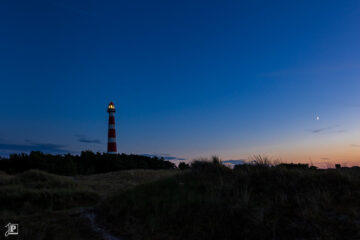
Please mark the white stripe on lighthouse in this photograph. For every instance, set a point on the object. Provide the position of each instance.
(111, 114)
(111, 140)
(111, 126)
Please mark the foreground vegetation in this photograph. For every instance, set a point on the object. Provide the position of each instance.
(49, 206)
(203, 201)
(255, 201)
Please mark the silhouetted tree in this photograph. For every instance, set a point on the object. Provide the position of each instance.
(183, 166)
(87, 163)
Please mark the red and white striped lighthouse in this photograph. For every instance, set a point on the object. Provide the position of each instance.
(111, 147)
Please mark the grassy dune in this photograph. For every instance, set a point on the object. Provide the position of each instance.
(49, 206)
(108, 183)
(208, 201)
(34, 191)
(250, 202)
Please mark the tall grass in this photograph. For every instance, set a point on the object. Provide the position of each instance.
(261, 201)
(34, 191)
(48, 206)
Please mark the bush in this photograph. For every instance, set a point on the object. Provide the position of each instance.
(295, 166)
(183, 166)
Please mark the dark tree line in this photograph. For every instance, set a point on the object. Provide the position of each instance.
(85, 163)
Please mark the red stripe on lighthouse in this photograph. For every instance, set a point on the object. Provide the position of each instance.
(111, 133)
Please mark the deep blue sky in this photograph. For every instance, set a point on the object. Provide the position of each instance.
(188, 78)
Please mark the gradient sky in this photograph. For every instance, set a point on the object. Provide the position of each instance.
(188, 78)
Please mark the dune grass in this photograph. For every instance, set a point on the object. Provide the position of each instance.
(38, 202)
(35, 190)
(257, 201)
(261, 200)
(108, 183)
(49, 206)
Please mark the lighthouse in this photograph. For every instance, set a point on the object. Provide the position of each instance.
(111, 147)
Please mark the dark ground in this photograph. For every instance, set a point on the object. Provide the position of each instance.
(208, 201)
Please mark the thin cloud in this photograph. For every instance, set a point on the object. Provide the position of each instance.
(85, 139)
(355, 145)
(235, 162)
(326, 129)
(325, 158)
(166, 156)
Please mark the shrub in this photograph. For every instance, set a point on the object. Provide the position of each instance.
(183, 166)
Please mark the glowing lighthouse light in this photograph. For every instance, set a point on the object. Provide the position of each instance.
(111, 147)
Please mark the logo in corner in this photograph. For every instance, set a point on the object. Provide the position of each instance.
(12, 229)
